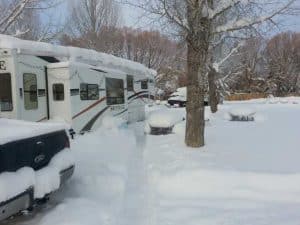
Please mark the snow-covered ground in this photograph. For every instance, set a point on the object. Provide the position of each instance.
(248, 173)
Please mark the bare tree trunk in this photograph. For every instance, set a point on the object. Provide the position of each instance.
(213, 95)
(194, 136)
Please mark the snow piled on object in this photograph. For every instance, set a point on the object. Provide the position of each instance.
(14, 183)
(179, 95)
(242, 111)
(44, 181)
(12, 130)
(160, 116)
(48, 178)
(165, 118)
(74, 54)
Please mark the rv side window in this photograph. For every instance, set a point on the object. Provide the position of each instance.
(144, 84)
(114, 91)
(58, 92)
(30, 91)
(89, 91)
(5, 93)
(129, 83)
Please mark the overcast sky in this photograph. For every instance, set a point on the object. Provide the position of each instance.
(133, 17)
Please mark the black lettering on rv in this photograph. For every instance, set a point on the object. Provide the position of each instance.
(2, 65)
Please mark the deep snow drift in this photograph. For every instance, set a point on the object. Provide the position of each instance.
(248, 173)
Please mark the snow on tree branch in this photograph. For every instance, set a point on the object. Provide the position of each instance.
(223, 6)
(12, 15)
(245, 22)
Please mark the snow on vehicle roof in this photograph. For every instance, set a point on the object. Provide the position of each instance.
(13, 130)
(180, 92)
(87, 56)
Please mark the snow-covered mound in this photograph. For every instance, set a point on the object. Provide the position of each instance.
(285, 100)
(241, 114)
(242, 111)
(74, 54)
(160, 116)
(165, 118)
(44, 181)
(12, 130)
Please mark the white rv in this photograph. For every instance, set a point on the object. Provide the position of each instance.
(40, 81)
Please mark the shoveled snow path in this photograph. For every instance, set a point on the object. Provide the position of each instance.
(138, 197)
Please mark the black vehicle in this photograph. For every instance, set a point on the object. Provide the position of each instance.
(178, 98)
(29, 147)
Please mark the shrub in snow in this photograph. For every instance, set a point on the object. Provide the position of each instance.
(241, 114)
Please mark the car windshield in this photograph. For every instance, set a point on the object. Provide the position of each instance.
(5, 93)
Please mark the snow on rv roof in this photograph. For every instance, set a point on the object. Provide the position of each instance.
(87, 56)
(84, 65)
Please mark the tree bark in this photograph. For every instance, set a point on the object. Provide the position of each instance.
(197, 40)
(194, 136)
(213, 95)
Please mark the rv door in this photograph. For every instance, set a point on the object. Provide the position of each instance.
(6, 100)
(32, 89)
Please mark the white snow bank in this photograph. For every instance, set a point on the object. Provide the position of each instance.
(12, 130)
(44, 181)
(164, 118)
(96, 193)
(110, 122)
(74, 54)
(285, 100)
(204, 183)
(14, 183)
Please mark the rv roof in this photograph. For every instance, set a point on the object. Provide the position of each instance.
(87, 56)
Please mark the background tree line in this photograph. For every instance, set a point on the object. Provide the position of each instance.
(220, 48)
(257, 65)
